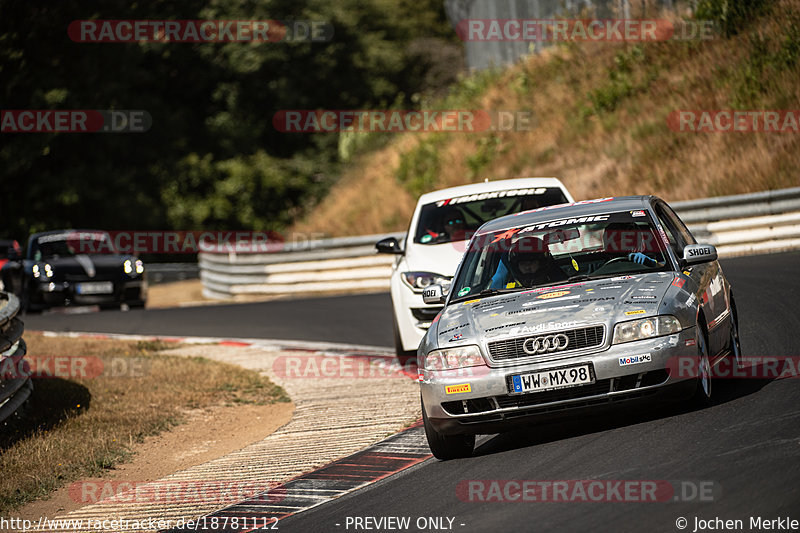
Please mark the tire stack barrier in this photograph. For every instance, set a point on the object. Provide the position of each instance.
(15, 382)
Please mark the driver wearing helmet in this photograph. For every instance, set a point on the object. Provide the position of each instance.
(529, 263)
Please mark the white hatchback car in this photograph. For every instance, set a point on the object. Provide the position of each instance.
(440, 228)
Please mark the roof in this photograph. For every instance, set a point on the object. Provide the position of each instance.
(490, 186)
(578, 209)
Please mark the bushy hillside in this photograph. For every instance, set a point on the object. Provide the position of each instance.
(601, 114)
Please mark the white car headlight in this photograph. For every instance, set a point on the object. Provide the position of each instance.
(47, 270)
(139, 266)
(419, 280)
(450, 358)
(645, 328)
(127, 266)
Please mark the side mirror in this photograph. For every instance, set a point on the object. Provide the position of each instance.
(432, 295)
(699, 253)
(388, 245)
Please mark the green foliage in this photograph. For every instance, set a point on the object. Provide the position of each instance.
(419, 168)
(621, 81)
(770, 58)
(487, 150)
(213, 158)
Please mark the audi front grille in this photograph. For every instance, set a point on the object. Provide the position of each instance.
(578, 339)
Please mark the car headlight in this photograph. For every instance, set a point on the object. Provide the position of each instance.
(127, 266)
(419, 280)
(645, 328)
(46, 269)
(139, 266)
(450, 358)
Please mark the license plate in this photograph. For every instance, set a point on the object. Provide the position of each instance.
(557, 378)
(95, 287)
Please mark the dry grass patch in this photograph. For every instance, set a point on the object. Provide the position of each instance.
(79, 428)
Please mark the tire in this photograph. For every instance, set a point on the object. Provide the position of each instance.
(446, 447)
(734, 346)
(702, 395)
(404, 357)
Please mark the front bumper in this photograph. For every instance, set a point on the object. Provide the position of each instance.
(58, 293)
(488, 407)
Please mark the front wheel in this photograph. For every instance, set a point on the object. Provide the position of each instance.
(735, 346)
(403, 356)
(445, 447)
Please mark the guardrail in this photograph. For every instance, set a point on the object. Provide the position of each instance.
(168, 272)
(737, 225)
(15, 383)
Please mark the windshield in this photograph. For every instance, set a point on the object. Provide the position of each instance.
(69, 244)
(560, 250)
(457, 219)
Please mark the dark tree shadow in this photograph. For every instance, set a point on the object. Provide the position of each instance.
(53, 400)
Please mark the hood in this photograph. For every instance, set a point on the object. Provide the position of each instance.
(605, 301)
(437, 258)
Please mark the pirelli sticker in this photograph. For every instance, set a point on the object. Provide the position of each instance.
(457, 389)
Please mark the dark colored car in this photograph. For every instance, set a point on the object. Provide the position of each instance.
(81, 267)
(11, 276)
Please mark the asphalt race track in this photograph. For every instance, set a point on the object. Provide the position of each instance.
(357, 319)
(746, 445)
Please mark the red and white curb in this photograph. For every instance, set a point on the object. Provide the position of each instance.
(381, 460)
(335, 477)
(379, 355)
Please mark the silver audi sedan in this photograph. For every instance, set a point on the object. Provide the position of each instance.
(569, 309)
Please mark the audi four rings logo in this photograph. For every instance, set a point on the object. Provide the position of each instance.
(549, 343)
